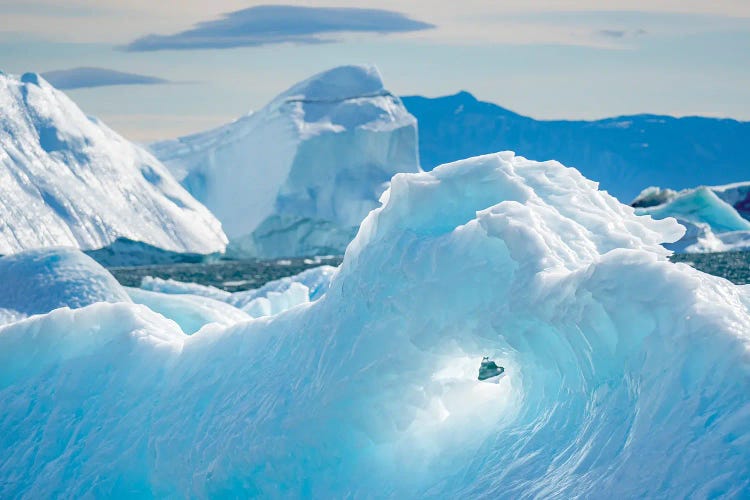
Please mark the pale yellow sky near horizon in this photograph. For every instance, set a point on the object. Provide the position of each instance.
(468, 21)
(549, 59)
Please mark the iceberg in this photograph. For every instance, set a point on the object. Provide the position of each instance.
(710, 214)
(68, 180)
(297, 177)
(190, 312)
(170, 286)
(270, 299)
(38, 281)
(42, 280)
(625, 373)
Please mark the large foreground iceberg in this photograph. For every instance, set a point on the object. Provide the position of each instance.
(297, 177)
(625, 373)
(67, 179)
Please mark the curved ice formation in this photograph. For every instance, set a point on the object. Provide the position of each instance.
(38, 281)
(67, 179)
(625, 373)
(297, 177)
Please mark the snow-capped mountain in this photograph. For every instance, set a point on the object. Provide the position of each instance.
(68, 179)
(297, 177)
(624, 154)
(716, 217)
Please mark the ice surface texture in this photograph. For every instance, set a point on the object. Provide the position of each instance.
(67, 179)
(625, 373)
(297, 177)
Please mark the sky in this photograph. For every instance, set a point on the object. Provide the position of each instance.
(159, 69)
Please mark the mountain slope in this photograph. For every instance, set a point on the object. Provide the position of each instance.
(624, 154)
(67, 179)
(297, 177)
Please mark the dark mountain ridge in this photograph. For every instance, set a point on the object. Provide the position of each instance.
(625, 154)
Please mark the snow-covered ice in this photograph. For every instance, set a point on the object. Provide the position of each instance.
(67, 179)
(626, 374)
(297, 177)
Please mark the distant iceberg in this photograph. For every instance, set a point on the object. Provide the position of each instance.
(297, 177)
(624, 373)
(716, 217)
(67, 179)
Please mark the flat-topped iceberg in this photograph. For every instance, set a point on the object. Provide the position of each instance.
(297, 177)
(624, 373)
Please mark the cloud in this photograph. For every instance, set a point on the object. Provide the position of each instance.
(270, 24)
(620, 34)
(76, 78)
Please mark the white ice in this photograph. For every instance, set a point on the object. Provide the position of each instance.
(67, 179)
(38, 281)
(191, 312)
(627, 375)
(297, 177)
(710, 214)
(270, 299)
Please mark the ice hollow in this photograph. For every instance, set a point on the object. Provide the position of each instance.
(625, 373)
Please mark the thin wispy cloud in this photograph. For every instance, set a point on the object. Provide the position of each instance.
(85, 77)
(273, 24)
(620, 34)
